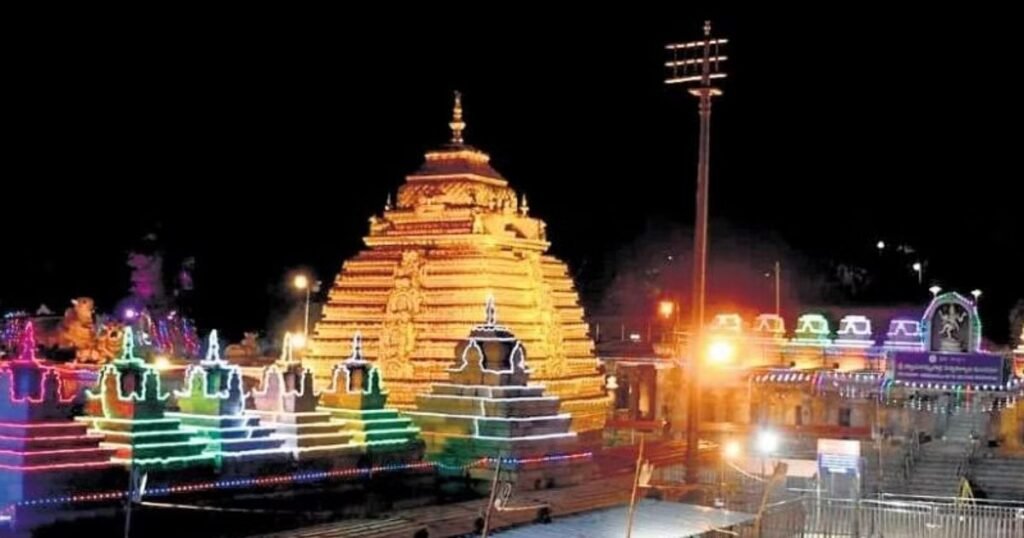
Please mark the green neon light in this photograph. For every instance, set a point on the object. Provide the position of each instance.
(140, 435)
(385, 442)
(111, 375)
(237, 454)
(128, 350)
(325, 409)
(164, 461)
(195, 441)
(392, 430)
(178, 415)
(129, 420)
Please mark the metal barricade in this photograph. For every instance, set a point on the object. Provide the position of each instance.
(912, 517)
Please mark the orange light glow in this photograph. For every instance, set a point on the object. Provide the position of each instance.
(666, 308)
(721, 352)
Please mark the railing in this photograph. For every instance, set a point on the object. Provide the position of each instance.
(910, 456)
(903, 497)
(783, 519)
(947, 518)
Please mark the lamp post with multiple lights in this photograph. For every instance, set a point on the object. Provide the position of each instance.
(698, 62)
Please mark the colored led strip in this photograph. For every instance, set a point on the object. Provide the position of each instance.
(292, 478)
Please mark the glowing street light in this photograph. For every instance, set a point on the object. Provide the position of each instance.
(767, 444)
(298, 341)
(976, 293)
(919, 269)
(666, 309)
(301, 283)
(935, 290)
(161, 362)
(731, 450)
(720, 352)
(880, 245)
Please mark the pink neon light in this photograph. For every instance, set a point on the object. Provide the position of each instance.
(47, 452)
(56, 466)
(46, 373)
(27, 345)
(38, 424)
(51, 438)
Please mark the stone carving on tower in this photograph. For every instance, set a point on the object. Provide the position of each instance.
(455, 234)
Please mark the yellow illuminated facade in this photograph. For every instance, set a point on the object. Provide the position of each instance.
(456, 234)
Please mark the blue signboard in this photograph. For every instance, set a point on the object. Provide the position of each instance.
(949, 368)
(838, 456)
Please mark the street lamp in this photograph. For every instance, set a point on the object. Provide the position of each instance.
(767, 444)
(698, 63)
(935, 291)
(976, 293)
(881, 246)
(720, 352)
(301, 283)
(666, 308)
(917, 267)
(732, 450)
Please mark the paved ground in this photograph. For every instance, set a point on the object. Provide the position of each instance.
(611, 487)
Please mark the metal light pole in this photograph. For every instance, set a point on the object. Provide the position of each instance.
(704, 60)
(301, 282)
(305, 321)
(775, 275)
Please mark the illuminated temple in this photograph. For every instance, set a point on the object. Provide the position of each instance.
(456, 235)
(42, 450)
(128, 410)
(488, 409)
(213, 404)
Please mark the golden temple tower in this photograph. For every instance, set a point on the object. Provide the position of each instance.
(457, 234)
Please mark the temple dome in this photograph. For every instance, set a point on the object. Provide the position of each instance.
(457, 235)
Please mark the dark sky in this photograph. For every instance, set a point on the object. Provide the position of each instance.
(262, 144)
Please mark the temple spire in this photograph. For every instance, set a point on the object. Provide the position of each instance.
(27, 344)
(457, 125)
(491, 312)
(357, 347)
(213, 347)
(287, 347)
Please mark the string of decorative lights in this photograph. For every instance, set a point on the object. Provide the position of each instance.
(293, 478)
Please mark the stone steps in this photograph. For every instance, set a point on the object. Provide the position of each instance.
(1001, 478)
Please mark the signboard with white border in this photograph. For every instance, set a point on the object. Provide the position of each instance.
(839, 456)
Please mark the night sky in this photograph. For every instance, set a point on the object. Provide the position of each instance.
(262, 146)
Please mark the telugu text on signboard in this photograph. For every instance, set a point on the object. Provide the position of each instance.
(839, 456)
(949, 368)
